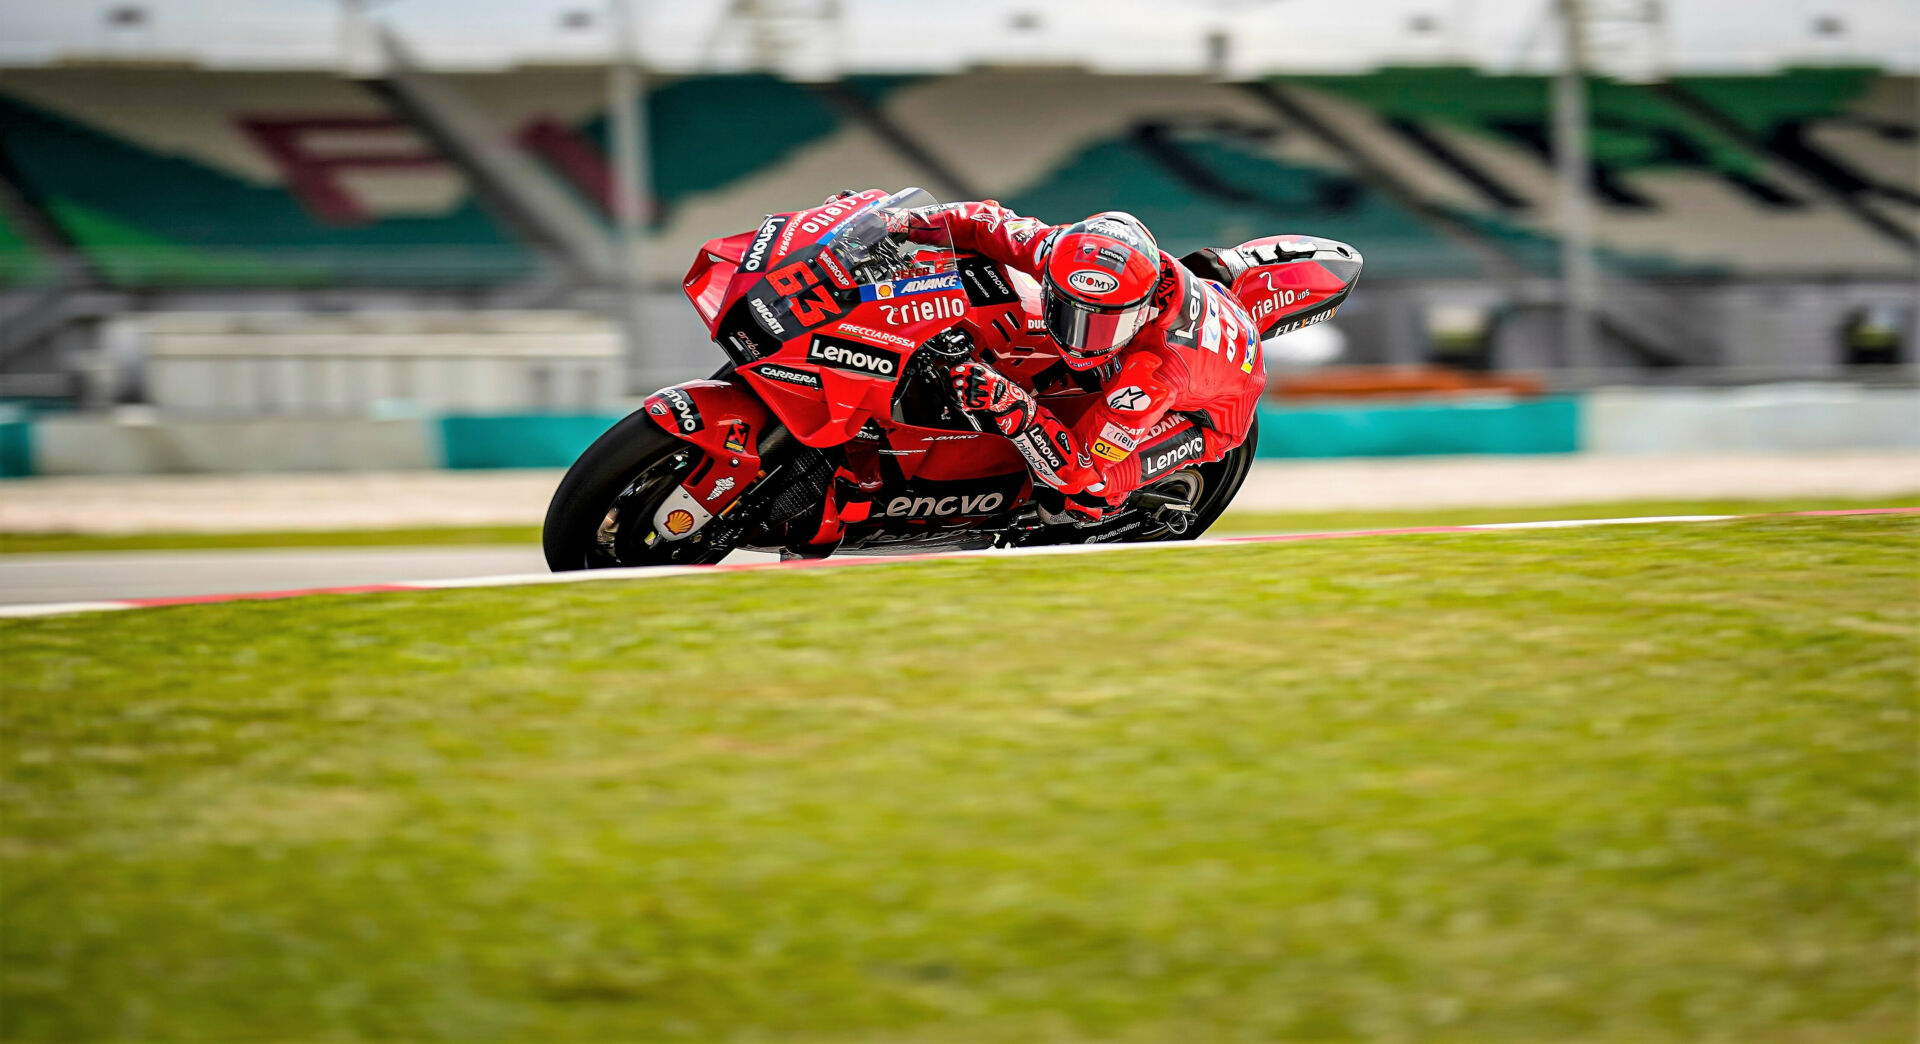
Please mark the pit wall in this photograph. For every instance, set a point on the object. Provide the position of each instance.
(1764, 419)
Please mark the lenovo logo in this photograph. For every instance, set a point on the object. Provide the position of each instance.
(1161, 459)
(685, 414)
(762, 245)
(848, 355)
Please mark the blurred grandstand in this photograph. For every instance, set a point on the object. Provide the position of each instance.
(385, 232)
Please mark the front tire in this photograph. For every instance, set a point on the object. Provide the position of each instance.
(602, 513)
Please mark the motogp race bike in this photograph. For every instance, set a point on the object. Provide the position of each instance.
(838, 333)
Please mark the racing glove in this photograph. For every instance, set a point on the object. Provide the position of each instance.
(983, 390)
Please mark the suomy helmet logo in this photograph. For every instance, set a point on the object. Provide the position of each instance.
(1088, 281)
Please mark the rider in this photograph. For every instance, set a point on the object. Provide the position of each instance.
(1175, 357)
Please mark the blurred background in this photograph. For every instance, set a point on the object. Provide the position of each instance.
(242, 235)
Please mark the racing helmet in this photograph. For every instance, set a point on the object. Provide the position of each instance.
(1098, 277)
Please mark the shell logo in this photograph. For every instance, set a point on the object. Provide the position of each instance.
(679, 521)
(883, 291)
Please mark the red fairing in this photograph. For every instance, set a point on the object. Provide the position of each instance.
(722, 418)
(706, 282)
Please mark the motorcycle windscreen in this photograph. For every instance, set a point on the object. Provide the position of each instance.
(843, 254)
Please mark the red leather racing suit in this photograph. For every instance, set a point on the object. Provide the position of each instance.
(1183, 390)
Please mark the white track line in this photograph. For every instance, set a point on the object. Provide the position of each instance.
(666, 572)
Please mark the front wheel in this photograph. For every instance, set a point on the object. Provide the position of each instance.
(602, 513)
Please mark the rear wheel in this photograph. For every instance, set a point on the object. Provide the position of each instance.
(602, 513)
(1209, 487)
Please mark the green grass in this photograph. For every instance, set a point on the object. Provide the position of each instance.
(1333, 521)
(1232, 522)
(1650, 783)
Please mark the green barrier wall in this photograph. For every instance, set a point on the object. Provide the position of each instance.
(16, 449)
(533, 440)
(1542, 426)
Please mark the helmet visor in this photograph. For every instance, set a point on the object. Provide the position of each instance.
(1085, 333)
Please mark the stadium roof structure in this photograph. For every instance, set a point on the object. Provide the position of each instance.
(818, 38)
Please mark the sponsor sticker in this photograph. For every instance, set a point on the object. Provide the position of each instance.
(746, 345)
(1130, 399)
(871, 334)
(1300, 323)
(1119, 436)
(1108, 451)
(767, 318)
(719, 490)
(910, 286)
(736, 439)
(679, 515)
(1186, 332)
(985, 285)
(787, 375)
(686, 415)
(834, 271)
(854, 356)
(1093, 281)
(1022, 229)
(1039, 454)
(943, 507)
(762, 244)
(1171, 453)
(924, 310)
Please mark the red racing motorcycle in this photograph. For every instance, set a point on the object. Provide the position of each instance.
(837, 333)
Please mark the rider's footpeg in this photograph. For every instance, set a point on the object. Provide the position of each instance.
(1176, 515)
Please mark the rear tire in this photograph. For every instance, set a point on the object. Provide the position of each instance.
(602, 513)
(1223, 479)
(1220, 481)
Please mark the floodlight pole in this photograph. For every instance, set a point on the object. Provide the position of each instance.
(631, 185)
(1578, 281)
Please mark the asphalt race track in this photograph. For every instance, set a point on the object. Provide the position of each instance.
(38, 579)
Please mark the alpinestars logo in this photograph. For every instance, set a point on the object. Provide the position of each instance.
(1130, 399)
(685, 414)
(762, 245)
(852, 355)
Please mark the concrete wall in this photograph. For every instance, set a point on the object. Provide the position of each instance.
(1767, 419)
(1776, 418)
(92, 445)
